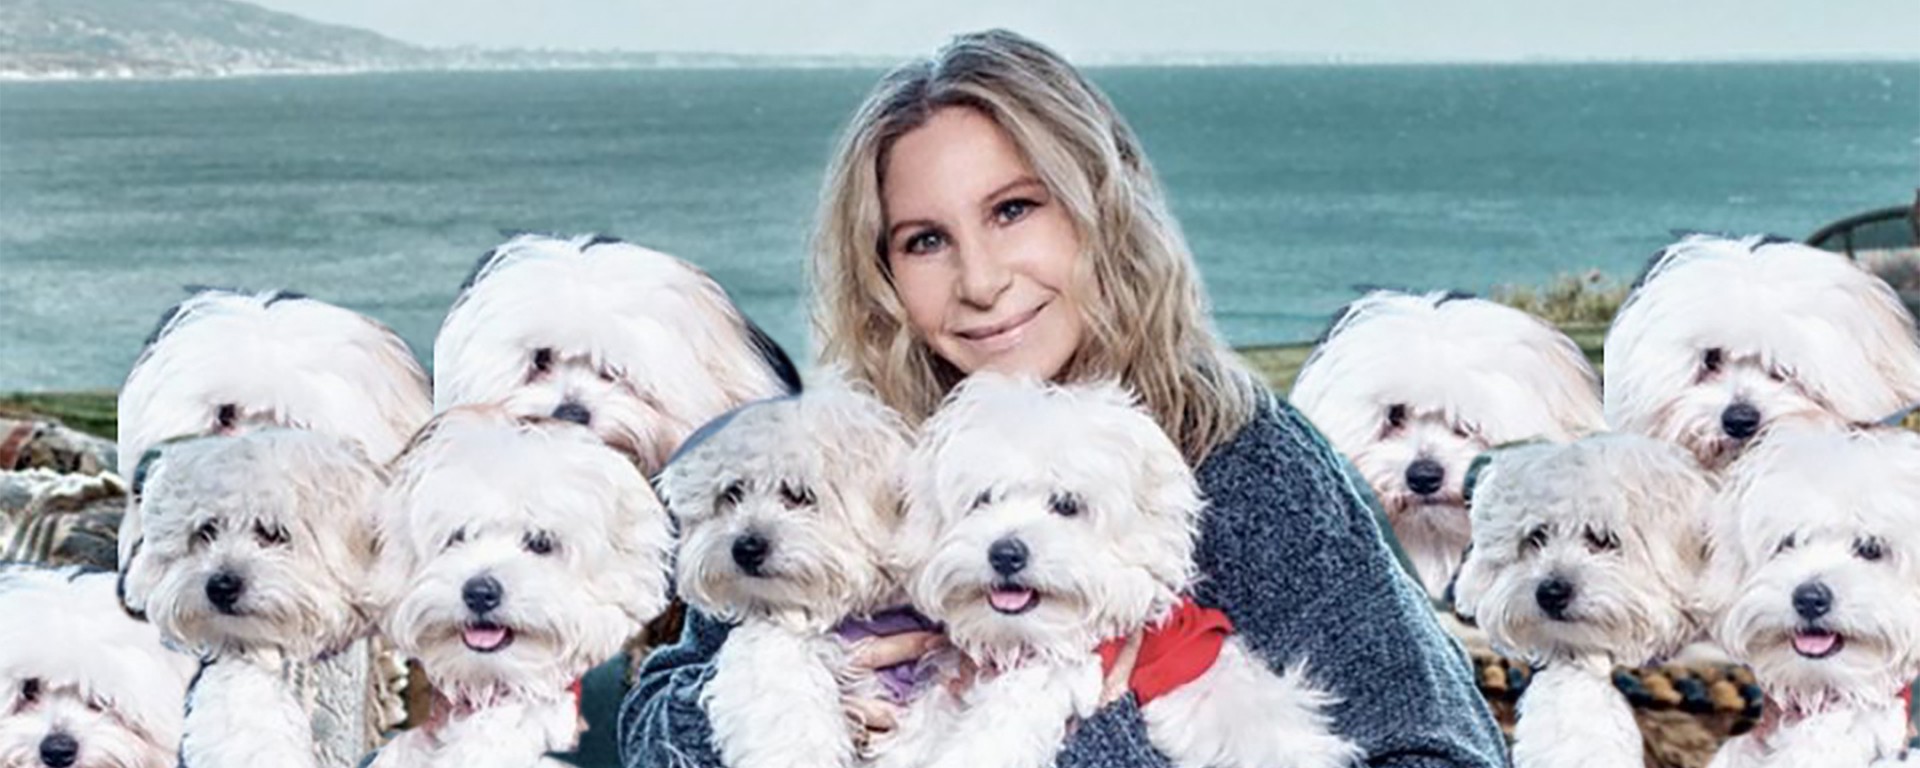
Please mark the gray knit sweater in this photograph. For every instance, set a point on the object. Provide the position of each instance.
(1292, 554)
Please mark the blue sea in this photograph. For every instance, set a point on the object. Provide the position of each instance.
(1297, 186)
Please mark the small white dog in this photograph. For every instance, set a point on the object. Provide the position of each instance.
(222, 362)
(1815, 583)
(1723, 338)
(515, 555)
(1412, 388)
(1585, 556)
(787, 512)
(1043, 522)
(257, 551)
(639, 346)
(82, 685)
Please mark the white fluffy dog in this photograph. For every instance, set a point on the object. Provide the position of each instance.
(1724, 338)
(223, 362)
(637, 345)
(787, 511)
(1585, 556)
(257, 551)
(1815, 582)
(82, 685)
(515, 554)
(1042, 522)
(1412, 388)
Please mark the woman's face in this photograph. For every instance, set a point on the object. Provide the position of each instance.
(982, 256)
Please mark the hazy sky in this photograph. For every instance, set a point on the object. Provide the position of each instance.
(1412, 29)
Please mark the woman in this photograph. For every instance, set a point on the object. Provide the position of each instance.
(988, 210)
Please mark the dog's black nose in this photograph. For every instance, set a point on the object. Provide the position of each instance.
(1740, 421)
(59, 750)
(1008, 556)
(482, 594)
(750, 552)
(224, 589)
(1554, 595)
(1812, 600)
(1424, 476)
(574, 412)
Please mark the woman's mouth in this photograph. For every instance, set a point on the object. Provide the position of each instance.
(1000, 336)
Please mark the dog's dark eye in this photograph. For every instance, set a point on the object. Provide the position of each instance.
(1869, 549)
(1536, 539)
(226, 416)
(607, 375)
(982, 499)
(458, 537)
(30, 690)
(1710, 361)
(269, 535)
(1064, 504)
(1787, 543)
(796, 495)
(543, 360)
(1779, 374)
(538, 542)
(1602, 541)
(1396, 416)
(731, 495)
(207, 533)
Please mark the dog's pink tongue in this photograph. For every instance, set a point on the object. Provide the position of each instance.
(485, 638)
(1812, 643)
(1009, 599)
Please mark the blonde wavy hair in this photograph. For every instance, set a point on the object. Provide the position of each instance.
(1147, 320)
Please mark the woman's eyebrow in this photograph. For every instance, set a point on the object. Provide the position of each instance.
(894, 229)
(1012, 185)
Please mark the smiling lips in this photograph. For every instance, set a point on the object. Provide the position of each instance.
(1002, 334)
(1816, 643)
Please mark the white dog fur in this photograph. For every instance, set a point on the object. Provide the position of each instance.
(1815, 583)
(223, 362)
(257, 551)
(1770, 330)
(640, 346)
(787, 512)
(515, 555)
(1043, 520)
(1586, 556)
(82, 685)
(1418, 385)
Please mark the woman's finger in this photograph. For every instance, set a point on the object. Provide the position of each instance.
(877, 652)
(1122, 672)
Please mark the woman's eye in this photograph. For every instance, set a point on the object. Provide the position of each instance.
(924, 242)
(1010, 211)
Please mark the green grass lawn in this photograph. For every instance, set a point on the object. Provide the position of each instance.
(93, 412)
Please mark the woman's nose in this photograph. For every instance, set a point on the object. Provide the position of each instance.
(984, 275)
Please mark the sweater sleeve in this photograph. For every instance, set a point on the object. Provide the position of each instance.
(662, 724)
(1292, 553)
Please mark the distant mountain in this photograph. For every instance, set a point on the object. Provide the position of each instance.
(159, 38)
(49, 39)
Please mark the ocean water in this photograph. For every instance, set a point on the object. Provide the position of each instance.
(1297, 186)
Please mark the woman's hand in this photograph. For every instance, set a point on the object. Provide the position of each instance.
(1117, 678)
(879, 716)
